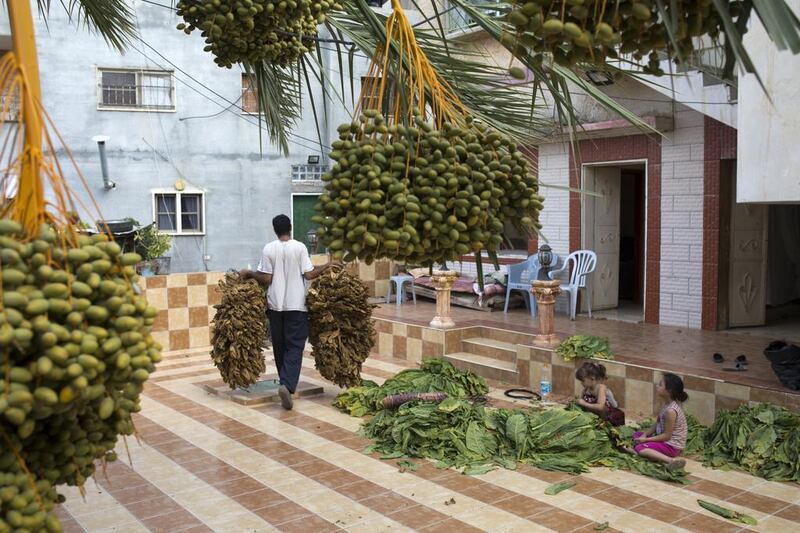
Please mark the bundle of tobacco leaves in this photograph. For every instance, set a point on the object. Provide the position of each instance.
(763, 440)
(239, 329)
(434, 375)
(459, 432)
(341, 329)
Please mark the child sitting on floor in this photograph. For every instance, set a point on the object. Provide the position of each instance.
(596, 397)
(666, 440)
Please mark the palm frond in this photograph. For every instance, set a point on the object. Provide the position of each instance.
(278, 94)
(112, 19)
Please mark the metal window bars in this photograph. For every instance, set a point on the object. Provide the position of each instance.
(137, 90)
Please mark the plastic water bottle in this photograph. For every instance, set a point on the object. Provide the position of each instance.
(545, 388)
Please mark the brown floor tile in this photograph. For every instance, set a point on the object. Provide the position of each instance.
(388, 502)
(589, 487)
(661, 511)
(239, 486)
(259, 499)
(361, 490)
(712, 488)
(450, 525)
(169, 523)
(547, 475)
(791, 512)
(336, 478)
(705, 524)
(306, 524)
(559, 520)
(200, 528)
(523, 506)
(71, 526)
(220, 474)
(758, 502)
(488, 493)
(293, 458)
(279, 514)
(315, 468)
(417, 517)
(621, 498)
(459, 482)
(135, 494)
(162, 505)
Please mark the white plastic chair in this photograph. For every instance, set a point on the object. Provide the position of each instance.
(581, 263)
(520, 277)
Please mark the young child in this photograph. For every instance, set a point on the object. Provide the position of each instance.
(666, 440)
(596, 397)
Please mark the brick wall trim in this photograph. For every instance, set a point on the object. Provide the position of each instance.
(625, 148)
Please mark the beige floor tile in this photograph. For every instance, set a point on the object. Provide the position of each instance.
(490, 518)
(126, 528)
(635, 523)
(347, 516)
(118, 516)
(377, 525)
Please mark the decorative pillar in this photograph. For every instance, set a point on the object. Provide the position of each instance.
(546, 292)
(443, 281)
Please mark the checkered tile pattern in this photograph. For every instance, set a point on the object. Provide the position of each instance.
(185, 308)
(633, 386)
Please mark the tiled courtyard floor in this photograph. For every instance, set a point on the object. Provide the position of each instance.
(207, 464)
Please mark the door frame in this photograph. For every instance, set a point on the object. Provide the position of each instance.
(619, 163)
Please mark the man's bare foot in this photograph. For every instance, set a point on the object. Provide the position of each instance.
(629, 450)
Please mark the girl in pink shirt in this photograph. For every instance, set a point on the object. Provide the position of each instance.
(666, 440)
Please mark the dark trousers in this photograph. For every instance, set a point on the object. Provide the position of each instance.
(289, 330)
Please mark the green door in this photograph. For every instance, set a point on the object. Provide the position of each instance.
(302, 211)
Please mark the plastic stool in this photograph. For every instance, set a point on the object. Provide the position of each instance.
(399, 281)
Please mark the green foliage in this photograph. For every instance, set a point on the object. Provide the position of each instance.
(763, 440)
(152, 243)
(585, 347)
(462, 433)
(730, 514)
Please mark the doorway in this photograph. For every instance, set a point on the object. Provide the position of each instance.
(760, 268)
(614, 227)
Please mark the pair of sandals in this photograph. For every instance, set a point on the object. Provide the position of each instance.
(741, 363)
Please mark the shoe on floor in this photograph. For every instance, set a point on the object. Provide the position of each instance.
(286, 397)
(677, 464)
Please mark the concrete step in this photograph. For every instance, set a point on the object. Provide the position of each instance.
(501, 350)
(486, 367)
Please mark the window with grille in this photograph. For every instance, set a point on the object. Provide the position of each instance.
(308, 172)
(179, 212)
(136, 89)
(249, 95)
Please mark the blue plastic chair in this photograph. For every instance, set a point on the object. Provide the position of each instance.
(520, 277)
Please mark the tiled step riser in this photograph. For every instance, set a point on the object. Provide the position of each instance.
(507, 336)
(487, 372)
(494, 352)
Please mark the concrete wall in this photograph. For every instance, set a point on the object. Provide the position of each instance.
(768, 158)
(245, 184)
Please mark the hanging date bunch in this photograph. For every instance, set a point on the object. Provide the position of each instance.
(75, 342)
(239, 330)
(251, 31)
(592, 31)
(427, 184)
(341, 329)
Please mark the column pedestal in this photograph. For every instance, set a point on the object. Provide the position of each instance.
(546, 292)
(443, 281)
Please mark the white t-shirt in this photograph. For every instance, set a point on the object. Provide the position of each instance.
(287, 261)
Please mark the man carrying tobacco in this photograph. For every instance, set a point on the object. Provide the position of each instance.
(284, 268)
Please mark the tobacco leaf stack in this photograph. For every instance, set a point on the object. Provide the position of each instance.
(240, 326)
(341, 329)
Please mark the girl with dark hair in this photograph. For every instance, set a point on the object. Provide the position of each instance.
(597, 398)
(665, 441)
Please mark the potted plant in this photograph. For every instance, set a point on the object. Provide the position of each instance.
(152, 245)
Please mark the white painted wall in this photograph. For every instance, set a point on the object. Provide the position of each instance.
(682, 153)
(768, 158)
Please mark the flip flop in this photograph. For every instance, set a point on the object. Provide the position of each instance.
(740, 367)
(718, 358)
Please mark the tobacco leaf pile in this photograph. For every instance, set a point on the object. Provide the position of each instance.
(460, 432)
(240, 326)
(763, 440)
(341, 329)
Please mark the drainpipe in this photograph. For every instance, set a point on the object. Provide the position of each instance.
(101, 146)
